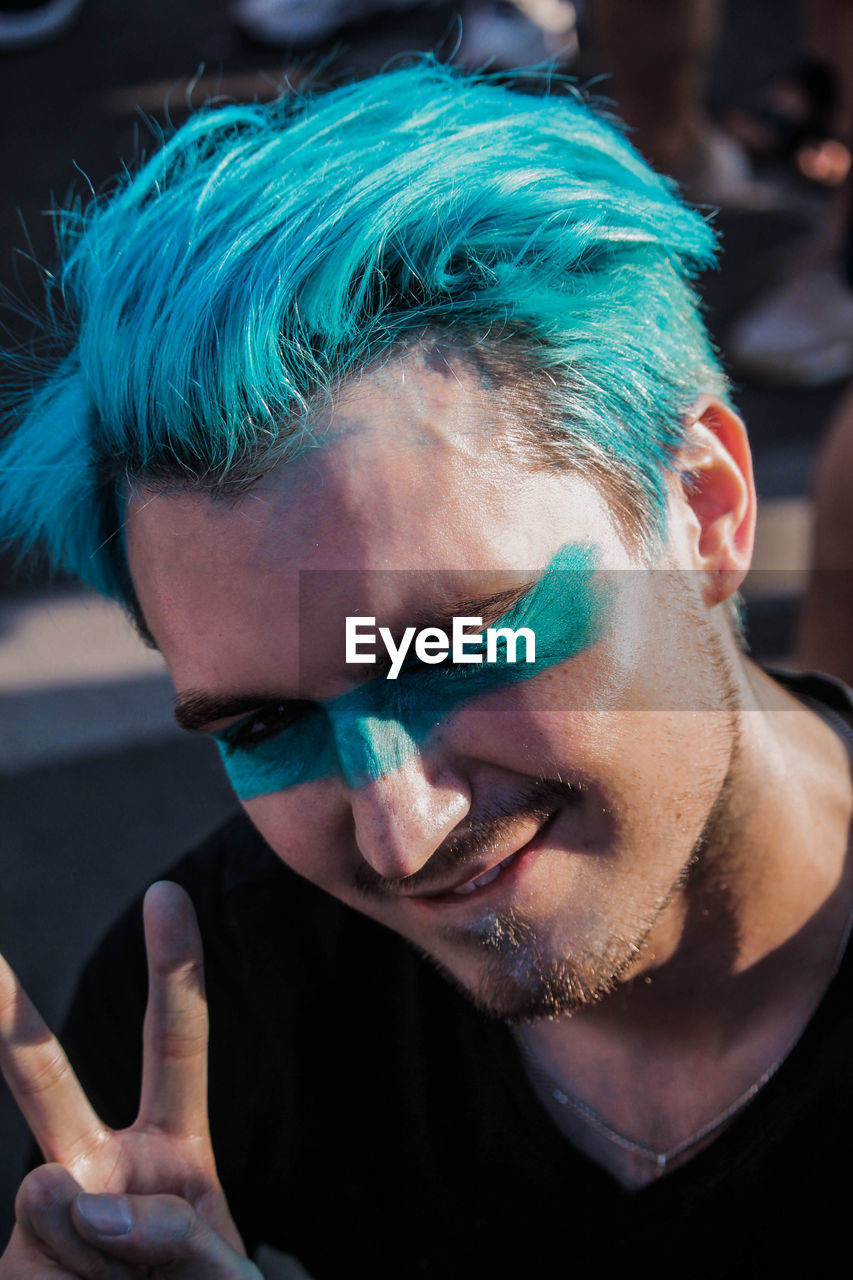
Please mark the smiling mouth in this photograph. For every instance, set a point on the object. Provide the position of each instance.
(476, 883)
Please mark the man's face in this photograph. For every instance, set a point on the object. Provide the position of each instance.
(536, 840)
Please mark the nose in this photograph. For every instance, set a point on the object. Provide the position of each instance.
(402, 817)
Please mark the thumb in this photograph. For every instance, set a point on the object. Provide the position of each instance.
(159, 1231)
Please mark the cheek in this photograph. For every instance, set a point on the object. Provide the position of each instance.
(309, 829)
(659, 769)
(537, 726)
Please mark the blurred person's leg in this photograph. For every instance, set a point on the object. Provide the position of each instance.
(801, 332)
(828, 44)
(658, 54)
(828, 38)
(804, 115)
(825, 631)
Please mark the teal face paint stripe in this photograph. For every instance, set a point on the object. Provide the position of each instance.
(375, 728)
(302, 752)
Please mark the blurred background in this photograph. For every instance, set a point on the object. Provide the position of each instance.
(745, 102)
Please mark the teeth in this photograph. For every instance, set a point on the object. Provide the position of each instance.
(488, 876)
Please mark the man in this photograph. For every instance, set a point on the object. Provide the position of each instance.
(347, 373)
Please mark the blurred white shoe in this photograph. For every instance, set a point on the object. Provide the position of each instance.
(24, 25)
(798, 335)
(299, 22)
(504, 36)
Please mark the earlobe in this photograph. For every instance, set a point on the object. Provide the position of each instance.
(715, 469)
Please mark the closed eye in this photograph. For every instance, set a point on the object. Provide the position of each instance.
(413, 666)
(265, 723)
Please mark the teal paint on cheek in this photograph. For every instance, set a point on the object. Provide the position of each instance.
(301, 753)
(372, 730)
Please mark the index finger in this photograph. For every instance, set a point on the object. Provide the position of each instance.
(174, 1061)
(40, 1078)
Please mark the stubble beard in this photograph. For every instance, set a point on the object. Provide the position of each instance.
(519, 983)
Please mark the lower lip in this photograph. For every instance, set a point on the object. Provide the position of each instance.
(523, 859)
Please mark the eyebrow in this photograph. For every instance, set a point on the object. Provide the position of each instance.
(489, 608)
(197, 709)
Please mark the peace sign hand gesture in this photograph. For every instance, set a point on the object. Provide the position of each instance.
(114, 1204)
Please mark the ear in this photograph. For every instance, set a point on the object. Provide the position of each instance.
(717, 490)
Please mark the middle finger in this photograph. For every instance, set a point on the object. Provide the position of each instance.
(174, 1065)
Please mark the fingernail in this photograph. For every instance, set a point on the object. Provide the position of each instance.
(108, 1215)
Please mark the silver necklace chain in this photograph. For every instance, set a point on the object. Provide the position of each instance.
(660, 1158)
(560, 1094)
(564, 1098)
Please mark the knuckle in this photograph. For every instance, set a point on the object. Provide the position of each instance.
(174, 1046)
(86, 1148)
(22, 1032)
(179, 1035)
(9, 1001)
(46, 1073)
(186, 976)
(179, 1232)
(184, 1223)
(44, 1189)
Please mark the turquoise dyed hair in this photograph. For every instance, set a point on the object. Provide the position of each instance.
(266, 253)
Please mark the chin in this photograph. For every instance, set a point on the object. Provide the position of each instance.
(505, 972)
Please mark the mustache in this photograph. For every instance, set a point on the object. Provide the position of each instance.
(465, 846)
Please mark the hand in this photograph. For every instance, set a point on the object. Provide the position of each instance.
(112, 1204)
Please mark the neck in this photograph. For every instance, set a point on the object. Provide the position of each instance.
(772, 876)
(738, 961)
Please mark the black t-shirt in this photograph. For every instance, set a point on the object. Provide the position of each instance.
(368, 1119)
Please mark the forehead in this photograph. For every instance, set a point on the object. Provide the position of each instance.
(419, 466)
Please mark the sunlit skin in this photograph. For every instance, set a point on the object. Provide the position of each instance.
(156, 1179)
(659, 725)
(413, 477)
(679, 893)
